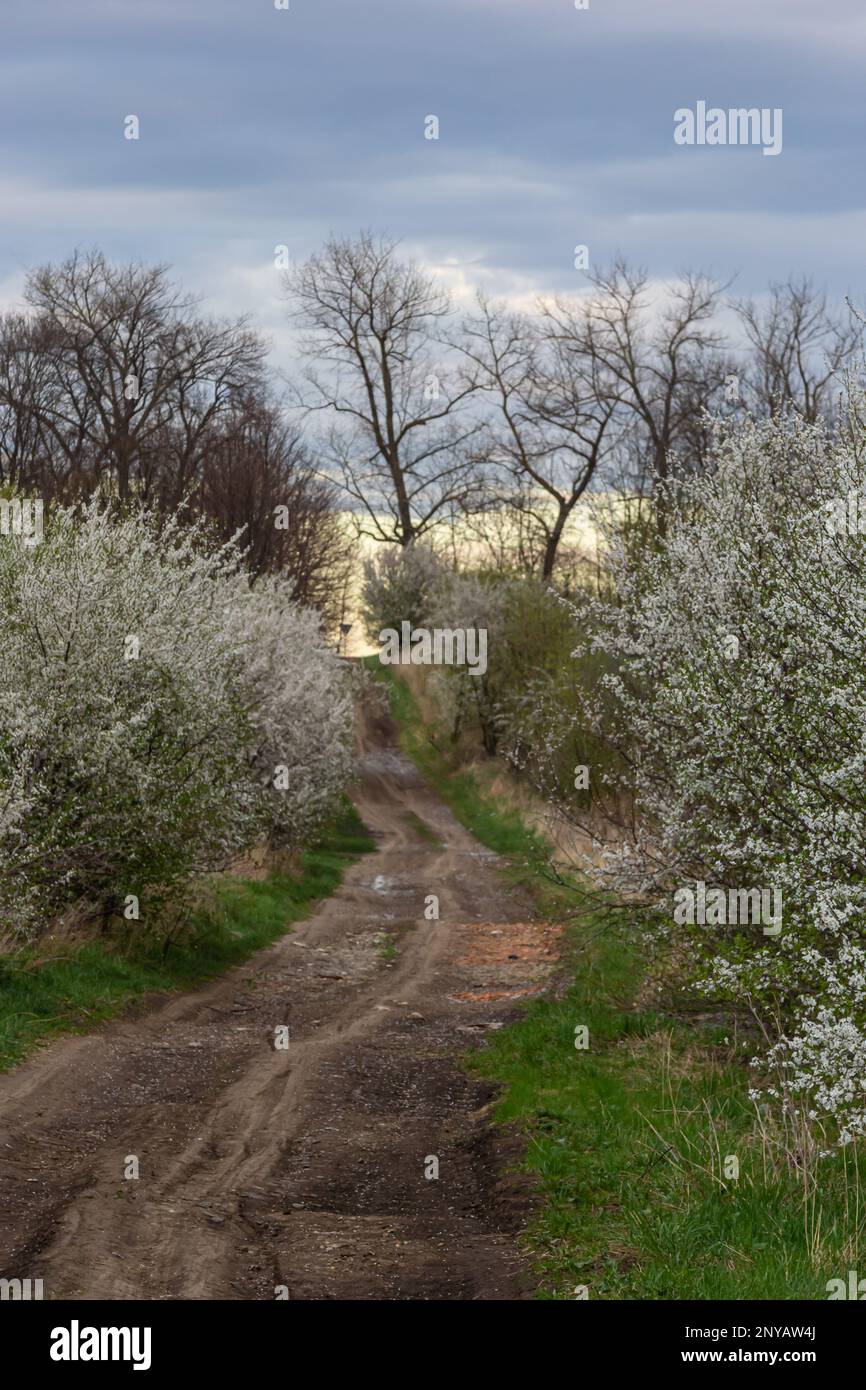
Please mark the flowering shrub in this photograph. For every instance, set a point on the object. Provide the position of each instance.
(736, 708)
(398, 586)
(463, 696)
(148, 694)
(298, 701)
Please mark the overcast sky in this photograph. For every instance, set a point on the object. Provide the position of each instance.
(261, 127)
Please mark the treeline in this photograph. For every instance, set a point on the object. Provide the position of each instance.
(405, 412)
(504, 419)
(114, 379)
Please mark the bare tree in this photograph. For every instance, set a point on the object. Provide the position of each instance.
(29, 401)
(114, 378)
(131, 377)
(259, 480)
(660, 365)
(499, 528)
(397, 442)
(798, 348)
(551, 426)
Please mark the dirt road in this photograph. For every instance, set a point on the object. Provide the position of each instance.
(300, 1170)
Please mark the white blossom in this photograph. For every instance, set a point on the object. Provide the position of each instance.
(744, 759)
(147, 691)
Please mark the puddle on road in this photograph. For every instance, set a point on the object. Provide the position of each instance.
(390, 887)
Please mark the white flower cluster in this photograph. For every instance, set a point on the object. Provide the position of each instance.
(148, 695)
(737, 679)
(398, 586)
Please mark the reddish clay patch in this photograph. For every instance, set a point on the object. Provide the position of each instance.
(502, 943)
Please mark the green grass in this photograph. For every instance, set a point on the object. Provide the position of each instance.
(71, 994)
(627, 1140)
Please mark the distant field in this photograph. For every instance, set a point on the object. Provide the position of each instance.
(581, 533)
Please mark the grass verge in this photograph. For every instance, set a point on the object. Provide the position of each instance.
(73, 992)
(635, 1140)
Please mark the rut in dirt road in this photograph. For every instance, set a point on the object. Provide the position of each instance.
(304, 1169)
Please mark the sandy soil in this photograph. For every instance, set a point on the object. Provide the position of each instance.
(304, 1168)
